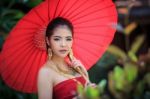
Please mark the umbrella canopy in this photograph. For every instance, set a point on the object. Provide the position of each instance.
(24, 50)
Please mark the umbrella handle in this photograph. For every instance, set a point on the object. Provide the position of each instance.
(78, 68)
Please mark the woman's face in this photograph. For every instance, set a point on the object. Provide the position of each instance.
(61, 41)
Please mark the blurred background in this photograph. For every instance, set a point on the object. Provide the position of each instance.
(124, 70)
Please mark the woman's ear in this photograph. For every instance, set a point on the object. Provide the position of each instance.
(47, 41)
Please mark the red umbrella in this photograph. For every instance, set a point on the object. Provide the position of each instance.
(24, 51)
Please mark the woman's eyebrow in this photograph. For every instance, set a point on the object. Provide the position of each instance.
(61, 37)
(69, 37)
(57, 36)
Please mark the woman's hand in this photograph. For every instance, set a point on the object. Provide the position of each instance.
(75, 63)
(92, 85)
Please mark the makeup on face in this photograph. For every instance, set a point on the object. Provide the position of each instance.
(64, 43)
(61, 41)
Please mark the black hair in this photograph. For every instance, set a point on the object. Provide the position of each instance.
(58, 21)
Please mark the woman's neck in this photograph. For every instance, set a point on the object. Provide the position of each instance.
(61, 65)
(58, 60)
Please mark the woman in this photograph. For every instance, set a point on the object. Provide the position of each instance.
(57, 78)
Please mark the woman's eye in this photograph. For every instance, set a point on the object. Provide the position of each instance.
(56, 39)
(69, 39)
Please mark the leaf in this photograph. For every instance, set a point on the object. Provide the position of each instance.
(139, 88)
(92, 93)
(119, 78)
(102, 85)
(130, 28)
(33, 3)
(137, 43)
(131, 72)
(9, 18)
(15, 14)
(80, 89)
(132, 56)
(111, 82)
(117, 52)
(34, 96)
(147, 78)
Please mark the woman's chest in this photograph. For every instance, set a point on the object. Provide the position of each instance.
(61, 78)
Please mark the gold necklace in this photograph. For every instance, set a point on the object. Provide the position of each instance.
(58, 70)
(69, 71)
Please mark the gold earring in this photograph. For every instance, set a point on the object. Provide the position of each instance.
(49, 53)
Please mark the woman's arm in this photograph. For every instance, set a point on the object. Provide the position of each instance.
(45, 84)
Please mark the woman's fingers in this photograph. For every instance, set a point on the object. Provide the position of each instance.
(76, 62)
(92, 85)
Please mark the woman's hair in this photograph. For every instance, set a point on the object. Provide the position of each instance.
(59, 21)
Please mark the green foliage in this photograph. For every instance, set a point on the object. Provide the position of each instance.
(80, 89)
(132, 56)
(117, 52)
(139, 89)
(131, 72)
(92, 92)
(101, 85)
(147, 78)
(9, 18)
(129, 28)
(137, 43)
(122, 79)
(118, 77)
(32, 3)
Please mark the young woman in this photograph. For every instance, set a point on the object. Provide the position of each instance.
(58, 79)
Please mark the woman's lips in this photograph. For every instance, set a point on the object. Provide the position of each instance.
(63, 51)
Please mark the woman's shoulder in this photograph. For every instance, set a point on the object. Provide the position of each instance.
(46, 71)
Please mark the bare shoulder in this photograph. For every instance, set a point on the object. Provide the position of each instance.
(46, 72)
(45, 82)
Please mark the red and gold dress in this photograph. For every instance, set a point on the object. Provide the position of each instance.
(67, 88)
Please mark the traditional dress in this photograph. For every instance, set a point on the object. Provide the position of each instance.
(67, 88)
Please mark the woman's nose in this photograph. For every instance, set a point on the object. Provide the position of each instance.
(63, 43)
